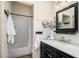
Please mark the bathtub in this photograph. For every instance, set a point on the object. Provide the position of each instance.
(19, 52)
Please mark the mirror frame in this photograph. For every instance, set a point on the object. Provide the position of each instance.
(68, 30)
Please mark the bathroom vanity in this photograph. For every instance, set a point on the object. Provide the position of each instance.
(56, 49)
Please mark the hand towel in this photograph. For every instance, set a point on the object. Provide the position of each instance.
(37, 41)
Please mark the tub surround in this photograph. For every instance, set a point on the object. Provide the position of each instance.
(64, 47)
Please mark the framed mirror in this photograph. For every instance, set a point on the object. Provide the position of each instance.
(67, 19)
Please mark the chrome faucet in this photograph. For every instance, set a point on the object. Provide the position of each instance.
(62, 39)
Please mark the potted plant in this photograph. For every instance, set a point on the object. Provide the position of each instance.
(48, 27)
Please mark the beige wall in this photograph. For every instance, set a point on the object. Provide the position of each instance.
(30, 3)
(22, 9)
(0, 28)
(7, 5)
(42, 10)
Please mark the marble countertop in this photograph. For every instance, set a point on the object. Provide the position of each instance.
(70, 49)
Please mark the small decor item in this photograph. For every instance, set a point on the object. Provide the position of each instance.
(48, 29)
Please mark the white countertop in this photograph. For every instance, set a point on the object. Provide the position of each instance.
(65, 47)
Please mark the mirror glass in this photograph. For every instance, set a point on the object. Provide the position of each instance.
(66, 19)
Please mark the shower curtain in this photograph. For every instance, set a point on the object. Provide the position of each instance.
(23, 39)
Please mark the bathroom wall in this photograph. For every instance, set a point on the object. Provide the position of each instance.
(30, 3)
(42, 10)
(1, 28)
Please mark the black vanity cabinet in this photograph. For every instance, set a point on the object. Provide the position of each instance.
(47, 51)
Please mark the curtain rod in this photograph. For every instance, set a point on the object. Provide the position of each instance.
(20, 15)
(7, 13)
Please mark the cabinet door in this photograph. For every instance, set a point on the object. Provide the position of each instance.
(42, 51)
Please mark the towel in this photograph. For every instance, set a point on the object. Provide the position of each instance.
(10, 29)
(37, 41)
